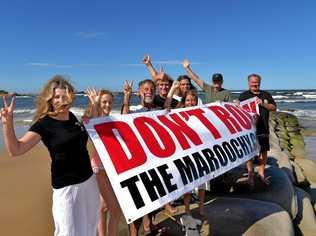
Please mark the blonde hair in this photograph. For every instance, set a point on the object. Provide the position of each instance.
(44, 100)
(88, 111)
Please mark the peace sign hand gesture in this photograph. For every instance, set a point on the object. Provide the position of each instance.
(6, 113)
(127, 88)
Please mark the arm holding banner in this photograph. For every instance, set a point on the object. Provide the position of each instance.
(265, 104)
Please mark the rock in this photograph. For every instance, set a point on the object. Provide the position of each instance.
(280, 190)
(234, 216)
(309, 169)
(298, 153)
(282, 161)
(297, 142)
(312, 193)
(294, 134)
(305, 218)
(282, 135)
(300, 178)
(295, 129)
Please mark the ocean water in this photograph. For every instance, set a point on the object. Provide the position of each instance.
(301, 103)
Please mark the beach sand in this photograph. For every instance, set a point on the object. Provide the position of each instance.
(26, 193)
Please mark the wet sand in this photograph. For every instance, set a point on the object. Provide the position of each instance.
(25, 194)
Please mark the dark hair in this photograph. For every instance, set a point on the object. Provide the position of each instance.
(183, 77)
(254, 75)
(145, 81)
(190, 92)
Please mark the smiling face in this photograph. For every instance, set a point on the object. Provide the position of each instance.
(190, 100)
(254, 84)
(106, 104)
(185, 85)
(163, 87)
(147, 93)
(61, 100)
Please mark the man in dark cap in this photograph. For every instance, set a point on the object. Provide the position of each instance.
(214, 92)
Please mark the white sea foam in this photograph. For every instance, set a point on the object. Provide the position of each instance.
(279, 97)
(298, 93)
(24, 96)
(294, 100)
(78, 111)
(313, 96)
(305, 114)
(24, 111)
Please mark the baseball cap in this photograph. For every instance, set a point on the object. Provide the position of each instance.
(217, 77)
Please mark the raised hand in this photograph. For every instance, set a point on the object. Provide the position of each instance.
(93, 95)
(146, 59)
(186, 63)
(127, 88)
(6, 113)
(175, 85)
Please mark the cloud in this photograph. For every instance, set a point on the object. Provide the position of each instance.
(42, 64)
(167, 62)
(90, 35)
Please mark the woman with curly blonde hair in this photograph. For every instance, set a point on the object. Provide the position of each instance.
(75, 190)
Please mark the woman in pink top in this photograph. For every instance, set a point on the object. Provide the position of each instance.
(100, 104)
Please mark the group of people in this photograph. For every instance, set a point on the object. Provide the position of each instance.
(82, 192)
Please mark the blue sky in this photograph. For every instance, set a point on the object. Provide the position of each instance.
(101, 43)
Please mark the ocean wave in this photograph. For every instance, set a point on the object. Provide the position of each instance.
(295, 100)
(23, 96)
(279, 97)
(313, 96)
(78, 111)
(298, 93)
(24, 111)
(305, 114)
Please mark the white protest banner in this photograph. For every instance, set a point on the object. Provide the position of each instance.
(250, 105)
(152, 158)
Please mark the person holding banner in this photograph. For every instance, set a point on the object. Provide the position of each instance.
(266, 104)
(100, 105)
(189, 99)
(214, 92)
(75, 190)
(146, 93)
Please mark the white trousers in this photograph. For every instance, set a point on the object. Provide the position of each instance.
(76, 209)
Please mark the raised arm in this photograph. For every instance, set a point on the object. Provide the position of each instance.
(127, 90)
(15, 147)
(94, 99)
(193, 76)
(174, 87)
(150, 67)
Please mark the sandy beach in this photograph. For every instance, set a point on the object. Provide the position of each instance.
(25, 198)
